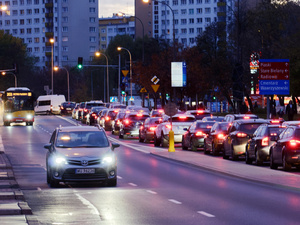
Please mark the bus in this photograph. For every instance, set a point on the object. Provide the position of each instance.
(18, 106)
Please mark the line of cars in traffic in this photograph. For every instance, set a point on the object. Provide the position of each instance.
(234, 136)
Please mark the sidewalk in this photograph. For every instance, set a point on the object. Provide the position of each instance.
(13, 207)
(262, 174)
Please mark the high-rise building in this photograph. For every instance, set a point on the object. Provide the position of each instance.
(73, 24)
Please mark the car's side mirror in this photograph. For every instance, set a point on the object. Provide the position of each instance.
(114, 145)
(47, 146)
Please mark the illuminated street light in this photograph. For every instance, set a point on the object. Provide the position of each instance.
(4, 73)
(52, 66)
(56, 68)
(98, 54)
(130, 68)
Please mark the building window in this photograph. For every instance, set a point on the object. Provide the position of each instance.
(36, 30)
(36, 2)
(183, 31)
(191, 30)
(36, 20)
(207, 20)
(29, 2)
(28, 30)
(21, 2)
(191, 2)
(15, 2)
(22, 31)
(92, 1)
(191, 20)
(92, 48)
(207, 10)
(36, 49)
(207, 1)
(92, 10)
(183, 11)
(28, 21)
(199, 1)
(22, 12)
(65, 9)
(15, 31)
(199, 20)
(175, 2)
(15, 22)
(192, 40)
(199, 30)
(15, 12)
(103, 30)
(183, 21)
(191, 11)
(36, 40)
(7, 22)
(103, 38)
(29, 49)
(65, 19)
(65, 48)
(65, 29)
(92, 19)
(65, 58)
(36, 11)
(65, 39)
(29, 11)
(92, 29)
(183, 2)
(22, 22)
(92, 39)
(199, 10)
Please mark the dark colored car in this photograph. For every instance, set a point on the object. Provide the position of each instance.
(87, 108)
(67, 108)
(214, 141)
(232, 117)
(116, 123)
(131, 123)
(285, 151)
(107, 118)
(91, 118)
(146, 132)
(199, 114)
(194, 136)
(258, 147)
(238, 135)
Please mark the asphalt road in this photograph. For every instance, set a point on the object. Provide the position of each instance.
(150, 190)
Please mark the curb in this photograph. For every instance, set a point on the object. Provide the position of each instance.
(32, 220)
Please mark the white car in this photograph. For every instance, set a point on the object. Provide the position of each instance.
(179, 123)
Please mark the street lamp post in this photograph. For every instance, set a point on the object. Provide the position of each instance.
(4, 73)
(52, 66)
(164, 3)
(130, 68)
(56, 68)
(98, 54)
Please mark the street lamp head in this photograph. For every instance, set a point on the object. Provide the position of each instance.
(146, 1)
(3, 7)
(120, 14)
(51, 40)
(3, 73)
(97, 54)
(119, 48)
(55, 68)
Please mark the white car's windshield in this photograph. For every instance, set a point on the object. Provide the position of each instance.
(88, 139)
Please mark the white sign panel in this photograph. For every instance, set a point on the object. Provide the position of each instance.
(178, 74)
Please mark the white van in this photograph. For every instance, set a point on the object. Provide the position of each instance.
(49, 104)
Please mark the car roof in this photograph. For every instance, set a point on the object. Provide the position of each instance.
(250, 121)
(80, 128)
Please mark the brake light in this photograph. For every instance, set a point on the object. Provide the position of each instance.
(107, 118)
(139, 114)
(246, 117)
(265, 141)
(200, 133)
(221, 136)
(116, 111)
(126, 121)
(85, 110)
(275, 121)
(208, 126)
(241, 135)
(51, 107)
(200, 111)
(161, 111)
(168, 126)
(62, 107)
(294, 143)
(152, 128)
(182, 117)
(141, 127)
(118, 121)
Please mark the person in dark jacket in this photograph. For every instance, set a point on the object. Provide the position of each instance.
(290, 110)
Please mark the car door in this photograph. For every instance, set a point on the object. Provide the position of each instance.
(254, 140)
(210, 137)
(228, 138)
(277, 148)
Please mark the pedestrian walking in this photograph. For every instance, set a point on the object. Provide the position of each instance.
(290, 110)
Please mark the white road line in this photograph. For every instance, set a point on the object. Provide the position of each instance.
(152, 192)
(132, 184)
(175, 201)
(70, 121)
(94, 210)
(206, 214)
(119, 177)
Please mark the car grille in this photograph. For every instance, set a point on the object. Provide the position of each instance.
(70, 174)
(89, 162)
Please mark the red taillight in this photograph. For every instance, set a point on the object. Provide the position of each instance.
(62, 107)
(85, 110)
(294, 143)
(241, 135)
(200, 111)
(168, 126)
(51, 107)
(265, 141)
(275, 121)
(246, 117)
(152, 128)
(139, 114)
(141, 127)
(200, 133)
(221, 136)
(161, 111)
(107, 118)
(208, 126)
(118, 122)
(126, 121)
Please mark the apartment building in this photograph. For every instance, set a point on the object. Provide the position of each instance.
(73, 24)
(113, 26)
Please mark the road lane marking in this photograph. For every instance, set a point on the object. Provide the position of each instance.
(70, 121)
(94, 210)
(175, 201)
(206, 214)
(132, 184)
(152, 192)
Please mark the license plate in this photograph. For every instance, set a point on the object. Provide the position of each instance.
(68, 108)
(84, 171)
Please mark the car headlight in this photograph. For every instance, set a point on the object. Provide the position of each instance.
(108, 159)
(60, 160)
(9, 116)
(29, 116)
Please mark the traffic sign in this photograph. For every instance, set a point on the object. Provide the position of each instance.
(155, 87)
(274, 87)
(274, 69)
(171, 109)
(125, 72)
(131, 98)
(125, 80)
(143, 90)
(155, 80)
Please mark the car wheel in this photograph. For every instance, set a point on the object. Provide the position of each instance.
(121, 135)
(165, 142)
(224, 155)
(258, 161)
(214, 150)
(273, 165)
(112, 183)
(286, 166)
(247, 159)
(156, 141)
(182, 144)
